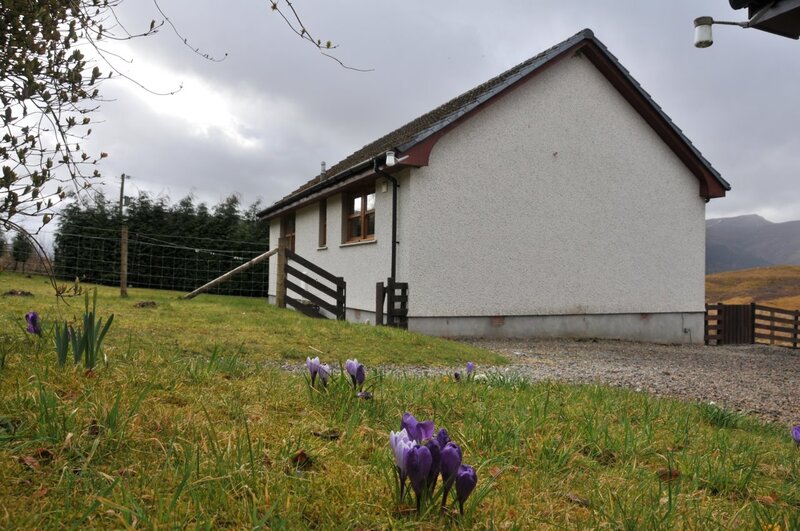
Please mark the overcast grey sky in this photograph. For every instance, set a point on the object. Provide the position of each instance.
(260, 122)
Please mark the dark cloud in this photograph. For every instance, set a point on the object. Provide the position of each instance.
(735, 100)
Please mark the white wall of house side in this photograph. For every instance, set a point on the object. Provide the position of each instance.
(362, 264)
(557, 199)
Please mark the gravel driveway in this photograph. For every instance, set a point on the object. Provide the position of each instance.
(759, 379)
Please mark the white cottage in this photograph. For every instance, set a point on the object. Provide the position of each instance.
(554, 200)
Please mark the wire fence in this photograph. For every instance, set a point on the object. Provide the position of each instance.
(157, 261)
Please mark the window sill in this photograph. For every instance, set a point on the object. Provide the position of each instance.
(362, 242)
(323, 248)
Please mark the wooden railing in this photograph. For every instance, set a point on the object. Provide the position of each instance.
(309, 302)
(731, 324)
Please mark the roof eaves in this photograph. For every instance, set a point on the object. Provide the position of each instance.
(321, 185)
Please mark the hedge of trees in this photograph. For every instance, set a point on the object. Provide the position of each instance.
(170, 246)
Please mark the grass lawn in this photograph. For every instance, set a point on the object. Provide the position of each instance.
(250, 329)
(169, 435)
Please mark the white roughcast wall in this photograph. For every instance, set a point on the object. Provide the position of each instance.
(557, 199)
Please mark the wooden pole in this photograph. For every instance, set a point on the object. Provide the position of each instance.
(229, 274)
(123, 262)
(280, 274)
(380, 296)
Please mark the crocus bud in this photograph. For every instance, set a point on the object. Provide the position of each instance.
(418, 465)
(466, 479)
(401, 444)
(324, 373)
(796, 435)
(313, 368)
(450, 463)
(436, 460)
(361, 375)
(442, 437)
(470, 368)
(351, 366)
(34, 324)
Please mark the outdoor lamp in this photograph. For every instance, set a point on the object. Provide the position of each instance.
(702, 32)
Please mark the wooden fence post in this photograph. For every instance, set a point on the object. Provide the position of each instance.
(797, 329)
(123, 262)
(390, 294)
(280, 274)
(380, 295)
(341, 306)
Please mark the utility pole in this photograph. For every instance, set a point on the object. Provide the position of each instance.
(123, 243)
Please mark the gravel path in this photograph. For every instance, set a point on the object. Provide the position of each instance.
(759, 379)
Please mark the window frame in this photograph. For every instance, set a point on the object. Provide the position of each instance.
(323, 224)
(363, 216)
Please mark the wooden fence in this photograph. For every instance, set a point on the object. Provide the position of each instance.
(301, 283)
(737, 324)
(395, 296)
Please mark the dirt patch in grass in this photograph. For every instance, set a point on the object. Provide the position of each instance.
(17, 293)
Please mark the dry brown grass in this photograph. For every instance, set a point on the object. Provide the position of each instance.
(772, 286)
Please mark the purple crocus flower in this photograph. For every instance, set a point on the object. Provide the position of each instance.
(442, 437)
(418, 465)
(34, 324)
(351, 366)
(436, 462)
(361, 375)
(313, 368)
(418, 431)
(450, 463)
(401, 443)
(324, 372)
(466, 479)
(796, 435)
(470, 368)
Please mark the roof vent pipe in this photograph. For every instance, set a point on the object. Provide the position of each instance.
(322, 171)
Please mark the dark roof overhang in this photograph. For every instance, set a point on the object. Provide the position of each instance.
(781, 17)
(414, 142)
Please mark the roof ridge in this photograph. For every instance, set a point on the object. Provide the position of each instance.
(442, 112)
(425, 125)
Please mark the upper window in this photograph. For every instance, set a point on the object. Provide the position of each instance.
(360, 215)
(323, 223)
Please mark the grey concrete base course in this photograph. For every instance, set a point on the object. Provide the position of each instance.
(649, 327)
(675, 327)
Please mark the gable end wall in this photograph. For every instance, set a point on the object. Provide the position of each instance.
(557, 199)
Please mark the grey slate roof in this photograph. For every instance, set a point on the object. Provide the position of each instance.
(417, 130)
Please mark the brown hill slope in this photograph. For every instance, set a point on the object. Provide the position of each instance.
(774, 286)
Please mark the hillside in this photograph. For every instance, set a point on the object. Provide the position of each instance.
(774, 286)
(750, 241)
